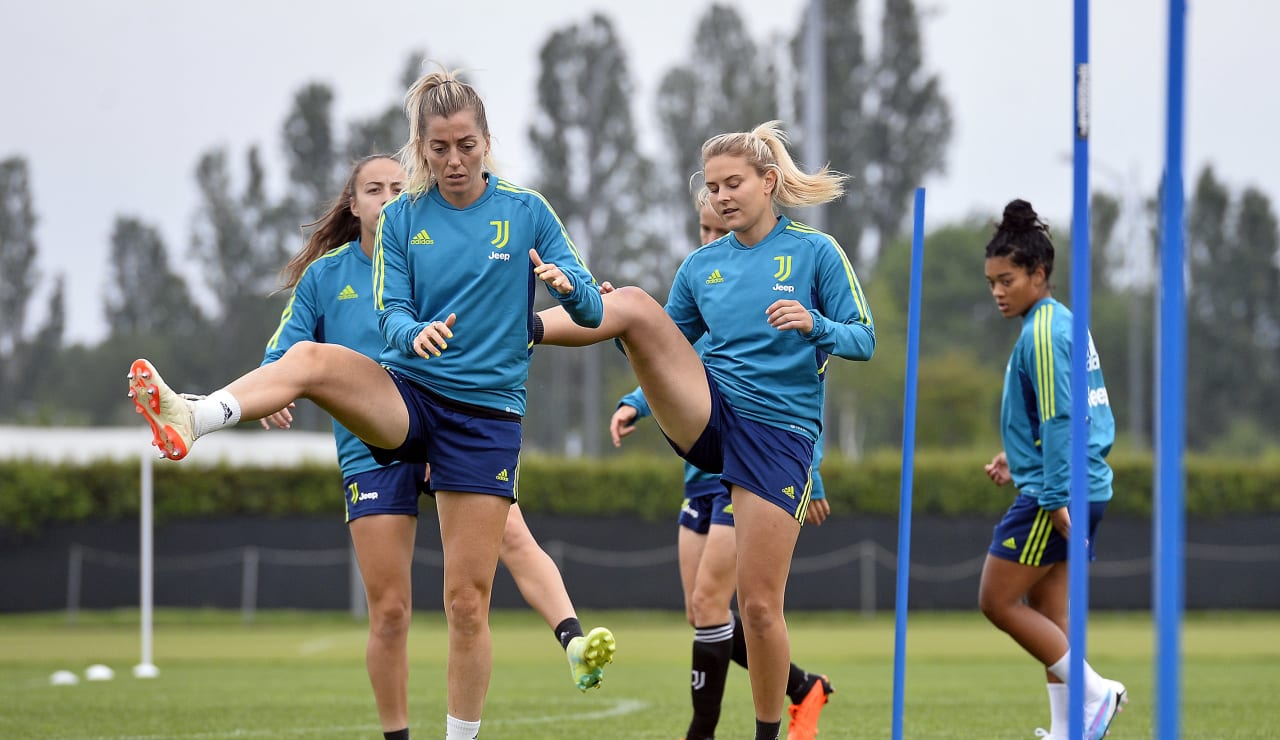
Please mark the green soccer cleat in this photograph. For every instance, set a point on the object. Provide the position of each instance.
(588, 656)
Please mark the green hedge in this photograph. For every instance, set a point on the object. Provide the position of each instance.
(34, 495)
(953, 483)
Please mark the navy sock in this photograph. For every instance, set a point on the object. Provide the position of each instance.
(798, 684)
(739, 642)
(767, 730)
(397, 734)
(567, 630)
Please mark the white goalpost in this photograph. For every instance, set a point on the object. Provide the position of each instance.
(146, 668)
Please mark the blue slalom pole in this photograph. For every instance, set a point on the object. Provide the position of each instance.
(1078, 580)
(908, 465)
(1171, 385)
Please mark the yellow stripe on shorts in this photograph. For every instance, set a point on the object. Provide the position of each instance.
(1033, 549)
(804, 499)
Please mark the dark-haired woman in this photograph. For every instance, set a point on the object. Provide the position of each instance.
(1024, 579)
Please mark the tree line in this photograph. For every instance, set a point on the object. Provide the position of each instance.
(887, 124)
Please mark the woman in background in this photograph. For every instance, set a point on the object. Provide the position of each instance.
(1023, 590)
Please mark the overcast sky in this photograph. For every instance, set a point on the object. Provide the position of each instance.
(112, 103)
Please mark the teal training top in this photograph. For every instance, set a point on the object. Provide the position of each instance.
(774, 377)
(1035, 411)
(433, 259)
(333, 302)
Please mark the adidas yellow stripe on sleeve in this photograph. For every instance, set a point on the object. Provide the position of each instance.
(855, 287)
(1042, 334)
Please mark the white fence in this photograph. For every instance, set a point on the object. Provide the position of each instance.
(243, 447)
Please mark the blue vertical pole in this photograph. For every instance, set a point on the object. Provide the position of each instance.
(1171, 391)
(908, 466)
(1078, 586)
(815, 100)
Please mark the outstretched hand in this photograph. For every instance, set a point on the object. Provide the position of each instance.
(548, 273)
(432, 340)
(622, 423)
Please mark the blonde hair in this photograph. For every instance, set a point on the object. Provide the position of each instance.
(436, 94)
(702, 198)
(765, 148)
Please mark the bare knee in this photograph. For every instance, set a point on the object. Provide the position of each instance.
(389, 616)
(996, 607)
(635, 305)
(707, 608)
(467, 608)
(630, 297)
(307, 359)
(304, 351)
(759, 613)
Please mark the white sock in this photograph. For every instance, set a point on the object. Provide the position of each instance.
(460, 729)
(1057, 709)
(217, 411)
(1094, 688)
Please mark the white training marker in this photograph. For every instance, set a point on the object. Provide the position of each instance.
(64, 678)
(145, 670)
(99, 672)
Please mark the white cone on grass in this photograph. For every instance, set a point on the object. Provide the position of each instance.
(99, 672)
(64, 678)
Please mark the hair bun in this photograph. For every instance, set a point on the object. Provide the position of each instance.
(1020, 217)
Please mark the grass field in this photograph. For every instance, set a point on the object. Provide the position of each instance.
(302, 675)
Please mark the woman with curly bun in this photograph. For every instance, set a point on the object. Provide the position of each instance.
(1023, 590)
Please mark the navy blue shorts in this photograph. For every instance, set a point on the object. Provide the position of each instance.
(471, 449)
(770, 462)
(393, 489)
(706, 502)
(1026, 535)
